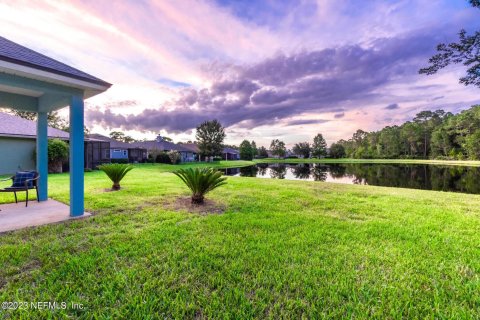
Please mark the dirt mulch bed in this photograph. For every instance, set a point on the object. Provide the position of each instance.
(185, 204)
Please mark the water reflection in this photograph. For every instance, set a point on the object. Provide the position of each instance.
(250, 171)
(301, 171)
(429, 177)
(278, 171)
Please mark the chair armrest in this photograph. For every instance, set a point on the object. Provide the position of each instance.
(33, 179)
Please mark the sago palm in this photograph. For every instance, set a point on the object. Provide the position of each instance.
(116, 172)
(201, 181)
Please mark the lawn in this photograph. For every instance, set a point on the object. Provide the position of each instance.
(281, 249)
(470, 163)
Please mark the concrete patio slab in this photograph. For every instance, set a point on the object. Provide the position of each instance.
(14, 216)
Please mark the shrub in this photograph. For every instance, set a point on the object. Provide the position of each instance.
(162, 157)
(116, 172)
(158, 156)
(200, 181)
(57, 154)
(174, 156)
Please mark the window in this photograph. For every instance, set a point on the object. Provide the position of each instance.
(116, 150)
(107, 153)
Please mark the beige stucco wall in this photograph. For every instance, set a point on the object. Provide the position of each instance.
(16, 154)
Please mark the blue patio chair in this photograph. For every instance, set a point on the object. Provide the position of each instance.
(22, 181)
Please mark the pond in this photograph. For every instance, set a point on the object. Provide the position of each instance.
(414, 176)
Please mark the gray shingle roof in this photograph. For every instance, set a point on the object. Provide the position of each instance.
(15, 53)
(114, 144)
(230, 150)
(191, 146)
(15, 126)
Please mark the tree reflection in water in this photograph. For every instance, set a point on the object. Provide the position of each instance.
(278, 171)
(262, 169)
(429, 177)
(319, 172)
(250, 171)
(301, 171)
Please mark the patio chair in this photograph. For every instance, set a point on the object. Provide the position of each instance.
(22, 181)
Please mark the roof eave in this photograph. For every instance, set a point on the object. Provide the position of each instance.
(26, 136)
(22, 69)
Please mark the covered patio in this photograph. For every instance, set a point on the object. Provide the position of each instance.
(30, 81)
(14, 216)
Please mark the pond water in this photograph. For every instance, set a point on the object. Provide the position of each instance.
(427, 177)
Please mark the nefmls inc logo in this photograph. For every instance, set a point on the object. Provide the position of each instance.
(48, 305)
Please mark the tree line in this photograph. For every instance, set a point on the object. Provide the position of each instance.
(318, 149)
(430, 135)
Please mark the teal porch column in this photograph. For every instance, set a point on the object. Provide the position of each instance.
(42, 155)
(76, 156)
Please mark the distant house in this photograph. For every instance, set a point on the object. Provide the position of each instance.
(118, 150)
(271, 155)
(121, 151)
(290, 153)
(187, 155)
(227, 153)
(231, 154)
(18, 143)
(97, 152)
(193, 147)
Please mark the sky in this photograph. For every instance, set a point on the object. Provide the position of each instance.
(265, 69)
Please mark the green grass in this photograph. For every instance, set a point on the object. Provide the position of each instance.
(282, 249)
(470, 163)
(216, 164)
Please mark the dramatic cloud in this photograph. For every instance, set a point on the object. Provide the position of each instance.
(285, 86)
(305, 121)
(260, 67)
(392, 106)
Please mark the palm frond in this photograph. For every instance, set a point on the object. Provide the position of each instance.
(116, 172)
(200, 181)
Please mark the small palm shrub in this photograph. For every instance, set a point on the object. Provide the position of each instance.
(116, 172)
(201, 181)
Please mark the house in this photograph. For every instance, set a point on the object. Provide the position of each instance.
(231, 154)
(18, 143)
(118, 150)
(187, 155)
(121, 151)
(289, 153)
(271, 155)
(97, 152)
(137, 155)
(19, 134)
(193, 147)
(227, 153)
